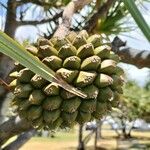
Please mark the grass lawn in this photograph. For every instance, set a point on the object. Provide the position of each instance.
(69, 141)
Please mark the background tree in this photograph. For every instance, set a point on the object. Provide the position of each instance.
(135, 104)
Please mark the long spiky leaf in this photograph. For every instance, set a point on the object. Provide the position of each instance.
(131, 6)
(14, 50)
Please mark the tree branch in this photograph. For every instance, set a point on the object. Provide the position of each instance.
(69, 11)
(12, 127)
(37, 22)
(3, 5)
(20, 141)
(139, 58)
(37, 2)
(102, 12)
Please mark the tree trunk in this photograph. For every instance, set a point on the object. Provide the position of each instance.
(124, 133)
(6, 63)
(20, 141)
(12, 127)
(11, 23)
(96, 137)
(81, 143)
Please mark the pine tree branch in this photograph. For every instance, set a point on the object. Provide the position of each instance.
(4, 6)
(68, 13)
(36, 2)
(38, 22)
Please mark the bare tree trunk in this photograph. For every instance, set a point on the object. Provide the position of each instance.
(96, 137)
(100, 129)
(124, 133)
(129, 133)
(6, 63)
(12, 127)
(11, 23)
(81, 143)
(20, 141)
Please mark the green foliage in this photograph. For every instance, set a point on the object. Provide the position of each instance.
(136, 102)
(114, 22)
(132, 8)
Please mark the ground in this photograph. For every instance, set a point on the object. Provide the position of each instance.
(69, 140)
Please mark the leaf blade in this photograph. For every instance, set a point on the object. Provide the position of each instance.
(131, 6)
(14, 50)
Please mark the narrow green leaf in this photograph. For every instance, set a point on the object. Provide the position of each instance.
(131, 6)
(14, 50)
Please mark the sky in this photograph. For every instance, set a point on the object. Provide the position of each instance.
(135, 39)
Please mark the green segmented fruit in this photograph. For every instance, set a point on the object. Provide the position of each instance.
(23, 90)
(34, 112)
(71, 105)
(69, 117)
(16, 101)
(67, 51)
(36, 97)
(68, 125)
(108, 66)
(95, 40)
(83, 117)
(91, 63)
(84, 34)
(88, 106)
(14, 74)
(85, 78)
(52, 103)
(38, 82)
(118, 89)
(85, 51)
(103, 51)
(53, 62)
(57, 123)
(91, 91)
(32, 49)
(51, 89)
(46, 51)
(79, 41)
(114, 56)
(43, 41)
(103, 80)
(51, 116)
(105, 95)
(23, 114)
(14, 83)
(72, 62)
(85, 63)
(116, 99)
(67, 75)
(38, 123)
(24, 104)
(25, 75)
(58, 43)
(117, 82)
(119, 71)
(100, 106)
(66, 95)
